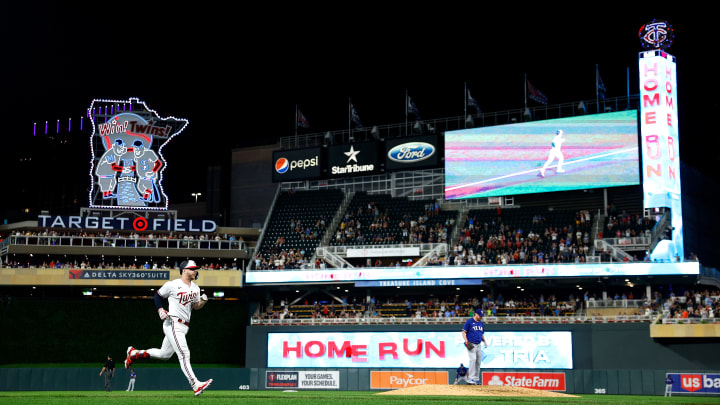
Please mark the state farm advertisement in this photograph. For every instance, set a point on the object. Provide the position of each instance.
(536, 381)
(508, 350)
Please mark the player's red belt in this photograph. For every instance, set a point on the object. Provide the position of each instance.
(186, 323)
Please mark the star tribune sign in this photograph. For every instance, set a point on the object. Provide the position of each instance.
(127, 163)
(354, 168)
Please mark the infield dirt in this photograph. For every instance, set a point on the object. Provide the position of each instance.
(475, 390)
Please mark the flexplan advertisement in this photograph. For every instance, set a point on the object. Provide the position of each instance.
(506, 350)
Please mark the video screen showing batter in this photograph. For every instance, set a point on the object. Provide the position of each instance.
(591, 151)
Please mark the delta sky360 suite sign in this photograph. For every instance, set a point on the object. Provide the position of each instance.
(127, 162)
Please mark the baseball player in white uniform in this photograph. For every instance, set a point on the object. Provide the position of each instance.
(183, 296)
(555, 153)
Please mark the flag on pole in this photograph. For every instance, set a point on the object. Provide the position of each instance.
(412, 108)
(301, 120)
(535, 94)
(601, 90)
(355, 117)
(473, 103)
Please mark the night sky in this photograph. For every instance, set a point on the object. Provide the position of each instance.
(237, 74)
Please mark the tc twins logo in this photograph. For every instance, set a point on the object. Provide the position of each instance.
(656, 35)
(127, 162)
(186, 297)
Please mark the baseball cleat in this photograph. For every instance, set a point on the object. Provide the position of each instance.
(128, 359)
(202, 387)
(561, 171)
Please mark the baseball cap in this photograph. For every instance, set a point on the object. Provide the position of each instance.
(480, 312)
(188, 264)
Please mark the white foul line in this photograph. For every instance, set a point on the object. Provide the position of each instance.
(536, 170)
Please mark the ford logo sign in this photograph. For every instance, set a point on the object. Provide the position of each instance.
(411, 152)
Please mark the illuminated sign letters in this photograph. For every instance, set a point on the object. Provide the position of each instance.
(660, 144)
(127, 162)
(300, 164)
(511, 350)
(138, 224)
(355, 159)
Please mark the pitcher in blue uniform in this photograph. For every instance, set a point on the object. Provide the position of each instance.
(473, 333)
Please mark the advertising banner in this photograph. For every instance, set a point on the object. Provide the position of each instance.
(419, 283)
(473, 272)
(297, 164)
(303, 379)
(404, 379)
(355, 159)
(695, 383)
(506, 350)
(420, 152)
(384, 252)
(119, 274)
(534, 380)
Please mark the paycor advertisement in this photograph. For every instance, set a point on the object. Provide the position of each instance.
(506, 350)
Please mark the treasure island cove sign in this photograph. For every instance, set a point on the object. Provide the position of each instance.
(127, 162)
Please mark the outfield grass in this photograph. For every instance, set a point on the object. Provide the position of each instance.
(315, 398)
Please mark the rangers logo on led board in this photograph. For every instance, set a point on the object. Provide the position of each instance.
(127, 162)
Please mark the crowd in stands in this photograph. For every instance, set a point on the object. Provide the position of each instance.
(297, 224)
(118, 238)
(382, 220)
(433, 307)
(691, 303)
(697, 304)
(491, 238)
(100, 263)
(626, 225)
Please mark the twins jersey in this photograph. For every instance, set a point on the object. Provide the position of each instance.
(181, 297)
(474, 330)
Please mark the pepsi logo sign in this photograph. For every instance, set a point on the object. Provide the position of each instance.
(411, 152)
(282, 165)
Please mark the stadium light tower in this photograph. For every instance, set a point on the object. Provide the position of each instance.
(196, 195)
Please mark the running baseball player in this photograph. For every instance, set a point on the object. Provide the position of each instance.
(183, 296)
(555, 153)
(473, 332)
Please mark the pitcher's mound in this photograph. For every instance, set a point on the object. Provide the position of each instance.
(475, 390)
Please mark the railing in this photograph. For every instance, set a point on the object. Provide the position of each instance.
(4, 247)
(453, 320)
(342, 250)
(616, 254)
(114, 242)
(613, 303)
(679, 321)
(630, 243)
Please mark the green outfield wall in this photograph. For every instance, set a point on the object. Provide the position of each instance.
(87, 330)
